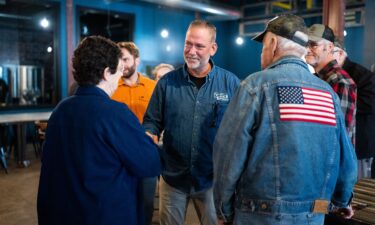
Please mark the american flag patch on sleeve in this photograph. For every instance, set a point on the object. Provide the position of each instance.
(306, 105)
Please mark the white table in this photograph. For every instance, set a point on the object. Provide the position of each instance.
(24, 117)
(20, 120)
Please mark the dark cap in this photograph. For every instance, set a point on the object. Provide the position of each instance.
(318, 32)
(288, 26)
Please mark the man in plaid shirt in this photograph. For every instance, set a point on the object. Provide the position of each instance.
(320, 55)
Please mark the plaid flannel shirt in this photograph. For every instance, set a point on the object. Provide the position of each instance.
(346, 89)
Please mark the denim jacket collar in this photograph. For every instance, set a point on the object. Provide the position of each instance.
(288, 59)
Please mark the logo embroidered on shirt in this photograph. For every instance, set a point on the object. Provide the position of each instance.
(221, 97)
(306, 104)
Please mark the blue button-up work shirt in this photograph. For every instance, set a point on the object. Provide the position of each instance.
(190, 118)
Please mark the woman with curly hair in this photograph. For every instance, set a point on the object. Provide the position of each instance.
(95, 150)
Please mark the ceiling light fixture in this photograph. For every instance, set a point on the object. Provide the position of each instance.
(164, 33)
(239, 41)
(44, 23)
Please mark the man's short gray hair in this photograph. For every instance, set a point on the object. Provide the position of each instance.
(203, 23)
(289, 47)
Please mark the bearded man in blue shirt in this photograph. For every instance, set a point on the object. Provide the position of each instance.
(188, 104)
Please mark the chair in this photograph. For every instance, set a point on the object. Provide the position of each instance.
(3, 146)
(363, 201)
(40, 133)
(3, 159)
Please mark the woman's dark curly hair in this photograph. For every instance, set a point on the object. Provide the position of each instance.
(91, 57)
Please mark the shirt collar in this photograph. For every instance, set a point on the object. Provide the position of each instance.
(328, 69)
(140, 80)
(209, 75)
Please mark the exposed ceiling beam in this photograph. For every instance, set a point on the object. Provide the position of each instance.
(198, 6)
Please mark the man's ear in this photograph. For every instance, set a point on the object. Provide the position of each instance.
(213, 49)
(137, 61)
(342, 56)
(273, 44)
(106, 73)
(330, 47)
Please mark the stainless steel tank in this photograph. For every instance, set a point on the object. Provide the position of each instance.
(25, 83)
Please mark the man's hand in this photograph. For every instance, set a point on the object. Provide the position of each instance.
(345, 213)
(153, 137)
(221, 222)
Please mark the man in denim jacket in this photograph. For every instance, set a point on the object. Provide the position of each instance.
(282, 154)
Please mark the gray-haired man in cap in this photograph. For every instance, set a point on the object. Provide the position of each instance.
(320, 55)
(282, 154)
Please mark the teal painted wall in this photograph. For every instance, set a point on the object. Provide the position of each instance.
(243, 59)
(354, 44)
(149, 21)
(369, 46)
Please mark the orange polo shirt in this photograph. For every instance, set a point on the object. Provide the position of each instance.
(135, 97)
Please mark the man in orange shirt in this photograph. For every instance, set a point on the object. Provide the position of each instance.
(135, 91)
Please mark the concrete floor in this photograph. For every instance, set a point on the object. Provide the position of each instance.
(18, 191)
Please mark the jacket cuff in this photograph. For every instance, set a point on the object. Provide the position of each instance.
(341, 204)
(225, 213)
(150, 130)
